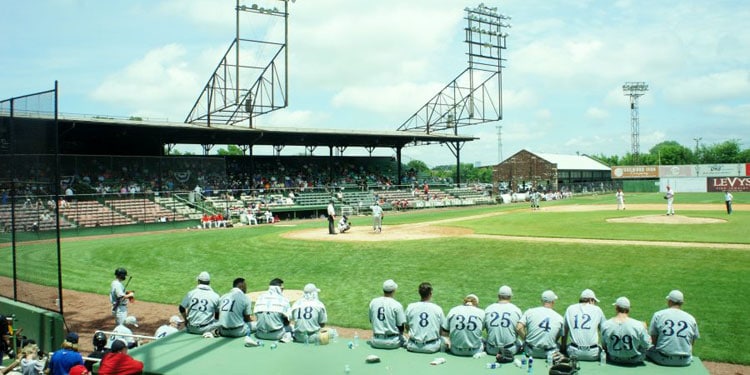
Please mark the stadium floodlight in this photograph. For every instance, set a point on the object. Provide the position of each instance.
(635, 90)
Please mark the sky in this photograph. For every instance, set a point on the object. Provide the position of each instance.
(370, 65)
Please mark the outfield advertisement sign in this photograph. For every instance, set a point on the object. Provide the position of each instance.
(728, 183)
(635, 171)
(703, 170)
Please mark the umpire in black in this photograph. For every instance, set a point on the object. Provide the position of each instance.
(331, 217)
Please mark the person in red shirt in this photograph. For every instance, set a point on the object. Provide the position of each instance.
(118, 362)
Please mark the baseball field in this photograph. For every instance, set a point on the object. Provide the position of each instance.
(567, 246)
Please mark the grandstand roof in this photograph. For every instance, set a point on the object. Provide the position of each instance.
(573, 162)
(147, 138)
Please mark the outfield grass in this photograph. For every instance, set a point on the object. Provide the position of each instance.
(164, 265)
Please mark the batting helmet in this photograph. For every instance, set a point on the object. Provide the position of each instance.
(100, 339)
(121, 272)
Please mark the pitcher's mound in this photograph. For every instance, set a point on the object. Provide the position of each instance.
(664, 219)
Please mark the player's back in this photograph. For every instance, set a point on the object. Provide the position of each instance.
(500, 320)
(583, 320)
(625, 339)
(424, 320)
(308, 315)
(543, 326)
(386, 314)
(202, 304)
(465, 324)
(675, 330)
(233, 307)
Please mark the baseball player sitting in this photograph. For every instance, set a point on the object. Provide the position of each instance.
(344, 224)
(200, 307)
(309, 316)
(464, 323)
(583, 321)
(168, 329)
(541, 327)
(424, 319)
(625, 339)
(673, 333)
(500, 320)
(272, 314)
(123, 329)
(236, 311)
(387, 318)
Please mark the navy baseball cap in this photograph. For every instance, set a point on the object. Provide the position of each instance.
(118, 345)
(72, 338)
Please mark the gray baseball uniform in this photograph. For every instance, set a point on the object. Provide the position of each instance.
(271, 310)
(544, 327)
(165, 330)
(424, 320)
(117, 292)
(675, 331)
(233, 307)
(386, 315)
(121, 329)
(308, 315)
(202, 304)
(465, 323)
(377, 217)
(583, 321)
(500, 320)
(626, 341)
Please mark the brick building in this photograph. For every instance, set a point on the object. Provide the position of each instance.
(526, 170)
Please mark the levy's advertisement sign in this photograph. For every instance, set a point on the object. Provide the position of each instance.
(728, 184)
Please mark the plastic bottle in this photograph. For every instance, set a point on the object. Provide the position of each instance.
(347, 370)
(524, 359)
(260, 343)
(602, 358)
(332, 334)
(356, 339)
(274, 346)
(493, 365)
(549, 359)
(531, 361)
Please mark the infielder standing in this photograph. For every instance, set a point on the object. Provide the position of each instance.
(541, 327)
(235, 311)
(200, 307)
(464, 323)
(500, 320)
(625, 338)
(118, 297)
(387, 318)
(728, 201)
(673, 333)
(377, 217)
(309, 315)
(424, 319)
(583, 321)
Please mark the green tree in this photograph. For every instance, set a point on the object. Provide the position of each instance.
(419, 166)
(230, 150)
(725, 152)
(669, 153)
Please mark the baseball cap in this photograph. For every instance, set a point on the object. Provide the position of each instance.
(389, 285)
(175, 319)
(131, 321)
(311, 288)
(204, 276)
(118, 345)
(72, 338)
(623, 302)
(505, 291)
(588, 293)
(549, 296)
(78, 370)
(676, 296)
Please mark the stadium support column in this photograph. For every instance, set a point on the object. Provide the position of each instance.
(398, 165)
(455, 148)
(330, 163)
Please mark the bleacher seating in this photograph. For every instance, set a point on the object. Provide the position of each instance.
(93, 214)
(144, 210)
(27, 216)
(179, 206)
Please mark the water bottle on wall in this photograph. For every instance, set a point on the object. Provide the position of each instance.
(602, 358)
(531, 361)
(356, 339)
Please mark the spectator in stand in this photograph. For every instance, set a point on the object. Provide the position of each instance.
(118, 362)
(268, 217)
(67, 357)
(99, 341)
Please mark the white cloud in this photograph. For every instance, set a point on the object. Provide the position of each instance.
(733, 84)
(400, 98)
(152, 85)
(596, 113)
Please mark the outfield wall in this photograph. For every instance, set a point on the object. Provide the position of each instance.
(45, 327)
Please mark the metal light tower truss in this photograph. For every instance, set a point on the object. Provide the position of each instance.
(475, 96)
(252, 77)
(635, 90)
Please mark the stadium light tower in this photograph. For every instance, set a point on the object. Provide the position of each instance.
(634, 90)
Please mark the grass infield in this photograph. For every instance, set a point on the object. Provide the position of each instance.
(164, 264)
